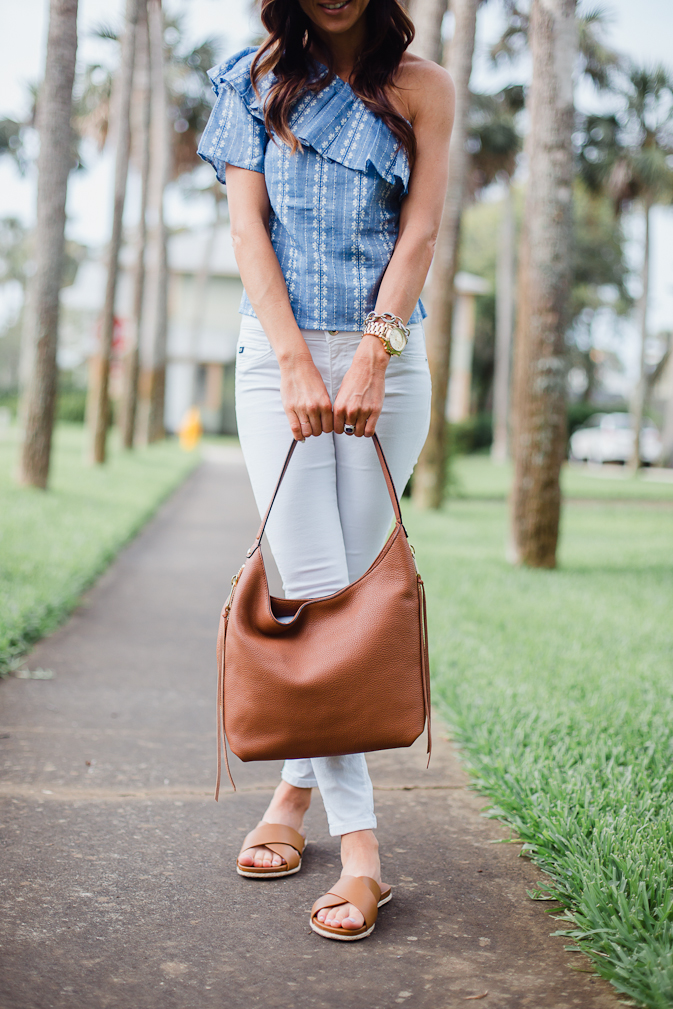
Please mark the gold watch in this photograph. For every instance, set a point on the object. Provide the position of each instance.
(390, 330)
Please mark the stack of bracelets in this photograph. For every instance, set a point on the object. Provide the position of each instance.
(390, 330)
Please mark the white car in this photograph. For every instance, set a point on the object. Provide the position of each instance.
(608, 437)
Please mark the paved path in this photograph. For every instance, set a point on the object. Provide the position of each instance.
(118, 886)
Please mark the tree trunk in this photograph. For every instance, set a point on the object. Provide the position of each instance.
(504, 321)
(127, 421)
(54, 164)
(667, 434)
(427, 16)
(153, 344)
(430, 473)
(641, 387)
(544, 288)
(98, 406)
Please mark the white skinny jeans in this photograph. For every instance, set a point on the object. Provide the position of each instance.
(333, 512)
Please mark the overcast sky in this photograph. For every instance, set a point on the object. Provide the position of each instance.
(642, 29)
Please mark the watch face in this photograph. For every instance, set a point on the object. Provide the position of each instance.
(397, 339)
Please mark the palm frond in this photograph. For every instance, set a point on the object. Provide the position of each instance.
(104, 31)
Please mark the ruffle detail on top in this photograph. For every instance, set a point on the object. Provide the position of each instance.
(334, 122)
(235, 73)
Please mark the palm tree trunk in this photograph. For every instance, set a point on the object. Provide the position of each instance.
(667, 433)
(544, 288)
(153, 345)
(98, 406)
(504, 321)
(143, 93)
(430, 473)
(54, 164)
(641, 388)
(427, 16)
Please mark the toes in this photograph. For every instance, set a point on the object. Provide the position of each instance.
(352, 918)
(260, 858)
(264, 858)
(344, 916)
(247, 857)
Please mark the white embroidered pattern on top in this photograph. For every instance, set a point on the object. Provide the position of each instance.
(335, 203)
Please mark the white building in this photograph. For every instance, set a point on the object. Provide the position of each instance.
(203, 324)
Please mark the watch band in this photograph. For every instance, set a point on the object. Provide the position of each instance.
(387, 327)
(376, 329)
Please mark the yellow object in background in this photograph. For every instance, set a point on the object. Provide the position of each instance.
(190, 429)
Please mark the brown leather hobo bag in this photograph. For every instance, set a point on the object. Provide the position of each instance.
(348, 673)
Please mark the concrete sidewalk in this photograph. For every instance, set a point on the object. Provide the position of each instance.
(117, 866)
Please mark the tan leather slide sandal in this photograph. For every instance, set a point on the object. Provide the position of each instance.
(281, 840)
(364, 893)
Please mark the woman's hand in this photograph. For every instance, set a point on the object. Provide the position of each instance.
(360, 397)
(305, 398)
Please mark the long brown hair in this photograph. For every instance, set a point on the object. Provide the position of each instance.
(286, 54)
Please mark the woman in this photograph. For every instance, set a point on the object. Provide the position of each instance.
(334, 141)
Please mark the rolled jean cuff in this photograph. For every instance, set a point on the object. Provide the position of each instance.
(337, 829)
(299, 781)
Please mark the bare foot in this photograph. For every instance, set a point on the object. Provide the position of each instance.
(359, 857)
(288, 807)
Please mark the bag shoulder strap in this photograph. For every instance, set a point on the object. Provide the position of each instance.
(386, 474)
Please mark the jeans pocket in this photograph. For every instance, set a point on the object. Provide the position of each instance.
(252, 351)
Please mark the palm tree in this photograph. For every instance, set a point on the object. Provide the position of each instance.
(629, 155)
(504, 326)
(141, 129)
(495, 142)
(54, 164)
(152, 376)
(14, 257)
(180, 108)
(11, 143)
(430, 473)
(427, 16)
(178, 90)
(544, 287)
(597, 62)
(667, 434)
(98, 406)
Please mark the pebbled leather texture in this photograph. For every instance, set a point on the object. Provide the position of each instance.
(349, 673)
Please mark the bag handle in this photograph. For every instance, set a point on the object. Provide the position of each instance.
(386, 474)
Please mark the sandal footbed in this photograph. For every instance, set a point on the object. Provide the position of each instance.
(273, 872)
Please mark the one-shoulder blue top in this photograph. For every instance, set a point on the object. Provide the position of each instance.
(335, 207)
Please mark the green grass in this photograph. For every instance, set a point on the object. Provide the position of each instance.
(475, 476)
(53, 545)
(559, 685)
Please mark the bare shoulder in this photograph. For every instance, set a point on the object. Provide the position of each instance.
(424, 87)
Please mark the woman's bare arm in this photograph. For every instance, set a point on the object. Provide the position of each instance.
(305, 398)
(430, 96)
